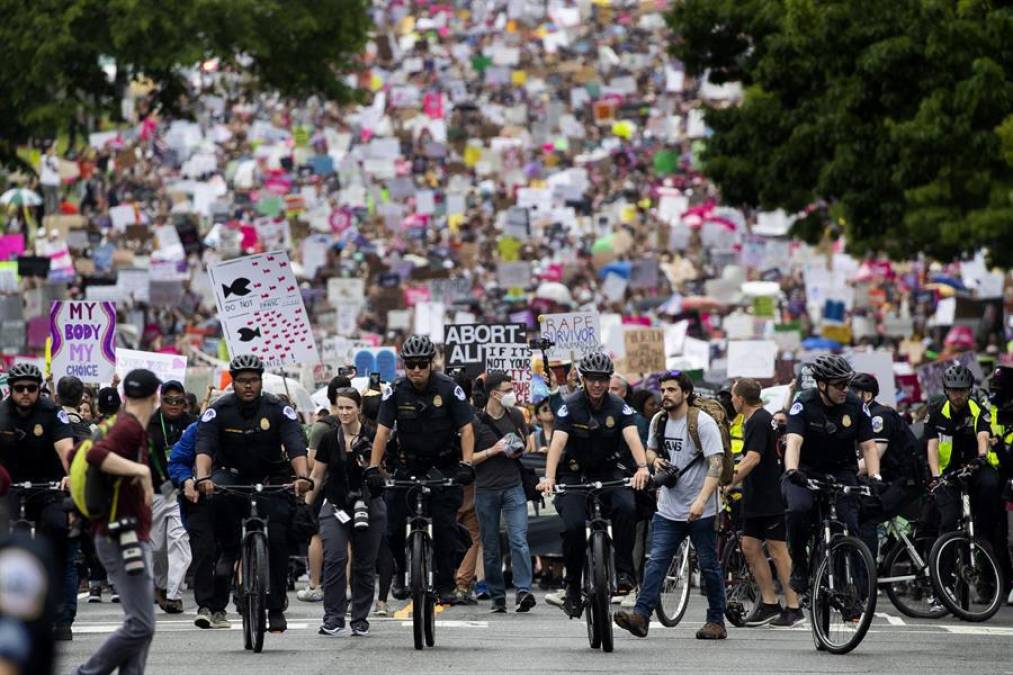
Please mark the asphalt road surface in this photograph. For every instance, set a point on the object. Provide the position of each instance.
(470, 640)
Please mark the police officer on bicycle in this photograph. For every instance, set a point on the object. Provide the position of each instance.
(959, 432)
(429, 412)
(825, 425)
(587, 445)
(35, 442)
(251, 437)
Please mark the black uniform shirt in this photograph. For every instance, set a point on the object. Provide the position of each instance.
(595, 436)
(26, 443)
(427, 420)
(961, 428)
(832, 433)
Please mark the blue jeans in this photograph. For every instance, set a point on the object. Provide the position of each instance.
(666, 537)
(513, 506)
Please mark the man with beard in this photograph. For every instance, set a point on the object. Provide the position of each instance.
(170, 545)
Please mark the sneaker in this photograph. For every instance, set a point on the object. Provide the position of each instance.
(482, 591)
(556, 599)
(218, 620)
(790, 616)
(525, 601)
(625, 584)
(465, 597)
(712, 631)
(498, 608)
(114, 596)
(172, 606)
(62, 633)
(203, 619)
(634, 622)
(1009, 598)
(329, 631)
(360, 629)
(448, 598)
(764, 614)
(380, 609)
(310, 594)
(276, 622)
(159, 596)
(94, 595)
(573, 605)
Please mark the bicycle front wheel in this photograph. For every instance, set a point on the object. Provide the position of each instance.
(254, 585)
(674, 597)
(419, 590)
(843, 595)
(741, 591)
(967, 576)
(601, 598)
(911, 590)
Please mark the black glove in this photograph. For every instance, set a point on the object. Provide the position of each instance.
(374, 479)
(465, 474)
(980, 462)
(796, 476)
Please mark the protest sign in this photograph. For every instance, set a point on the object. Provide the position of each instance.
(515, 360)
(515, 274)
(84, 340)
(381, 360)
(464, 342)
(880, 365)
(752, 358)
(166, 366)
(573, 333)
(262, 310)
(645, 350)
(930, 375)
(775, 399)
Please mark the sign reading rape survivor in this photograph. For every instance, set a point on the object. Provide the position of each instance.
(574, 334)
(84, 340)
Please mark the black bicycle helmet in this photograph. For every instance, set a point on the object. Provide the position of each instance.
(596, 363)
(247, 362)
(866, 382)
(418, 347)
(1000, 387)
(830, 367)
(957, 377)
(24, 371)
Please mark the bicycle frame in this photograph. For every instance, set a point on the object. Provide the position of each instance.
(826, 508)
(896, 533)
(25, 490)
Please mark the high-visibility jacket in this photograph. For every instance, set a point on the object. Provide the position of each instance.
(735, 431)
(946, 442)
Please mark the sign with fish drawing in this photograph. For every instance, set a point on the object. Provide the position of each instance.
(262, 310)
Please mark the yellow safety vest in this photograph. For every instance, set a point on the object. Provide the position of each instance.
(946, 442)
(735, 431)
(999, 430)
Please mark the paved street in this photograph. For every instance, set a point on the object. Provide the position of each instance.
(469, 640)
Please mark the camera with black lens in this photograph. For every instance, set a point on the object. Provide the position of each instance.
(667, 475)
(514, 445)
(360, 511)
(124, 531)
(543, 344)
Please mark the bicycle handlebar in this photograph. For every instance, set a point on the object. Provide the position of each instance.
(830, 484)
(418, 482)
(593, 486)
(255, 488)
(28, 485)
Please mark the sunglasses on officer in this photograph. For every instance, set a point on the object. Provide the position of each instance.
(840, 385)
(25, 388)
(416, 364)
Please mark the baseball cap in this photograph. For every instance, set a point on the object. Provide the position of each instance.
(172, 385)
(108, 401)
(140, 383)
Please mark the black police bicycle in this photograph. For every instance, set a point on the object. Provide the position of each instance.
(842, 573)
(966, 572)
(904, 572)
(24, 491)
(419, 554)
(252, 577)
(599, 563)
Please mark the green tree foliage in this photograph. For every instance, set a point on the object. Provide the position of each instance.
(899, 114)
(51, 69)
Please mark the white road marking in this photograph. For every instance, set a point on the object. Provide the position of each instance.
(892, 620)
(979, 630)
(455, 624)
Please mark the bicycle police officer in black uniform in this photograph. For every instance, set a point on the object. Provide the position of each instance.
(35, 442)
(587, 444)
(428, 410)
(241, 437)
(829, 420)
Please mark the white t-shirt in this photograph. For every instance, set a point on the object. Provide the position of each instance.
(678, 448)
(49, 171)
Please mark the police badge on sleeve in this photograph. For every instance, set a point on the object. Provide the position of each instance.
(796, 408)
(208, 415)
(289, 413)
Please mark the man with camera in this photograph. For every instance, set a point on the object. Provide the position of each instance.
(123, 544)
(687, 470)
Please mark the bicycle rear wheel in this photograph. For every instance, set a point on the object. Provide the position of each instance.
(742, 594)
(601, 597)
(417, 556)
(254, 586)
(967, 576)
(674, 597)
(912, 593)
(843, 595)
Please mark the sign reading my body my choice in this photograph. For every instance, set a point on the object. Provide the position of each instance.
(84, 340)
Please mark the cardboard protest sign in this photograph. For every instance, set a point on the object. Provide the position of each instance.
(262, 310)
(463, 343)
(84, 340)
(346, 291)
(645, 350)
(880, 365)
(573, 333)
(166, 366)
(515, 360)
(752, 358)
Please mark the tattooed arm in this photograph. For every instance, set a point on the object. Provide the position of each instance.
(710, 483)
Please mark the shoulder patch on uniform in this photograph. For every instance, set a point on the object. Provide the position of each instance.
(208, 415)
(796, 408)
(288, 412)
(562, 412)
(877, 424)
(459, 393)
(387, 392)
(63, 417)
(627, 410)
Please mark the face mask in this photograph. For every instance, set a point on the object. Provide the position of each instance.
(508, 400)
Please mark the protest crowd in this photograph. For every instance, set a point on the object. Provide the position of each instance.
(520, 189)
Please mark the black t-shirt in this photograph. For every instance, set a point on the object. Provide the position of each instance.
(27, 443)
(163, 433)
(427, 420)
(832, 433)
(761, 489)
(344, 468)
(888, 427)
(500, 471)
(594, 436)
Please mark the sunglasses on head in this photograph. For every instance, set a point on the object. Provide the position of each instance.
(416, 364)
(22, 388)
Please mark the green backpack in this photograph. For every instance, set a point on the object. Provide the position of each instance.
(95, 494)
